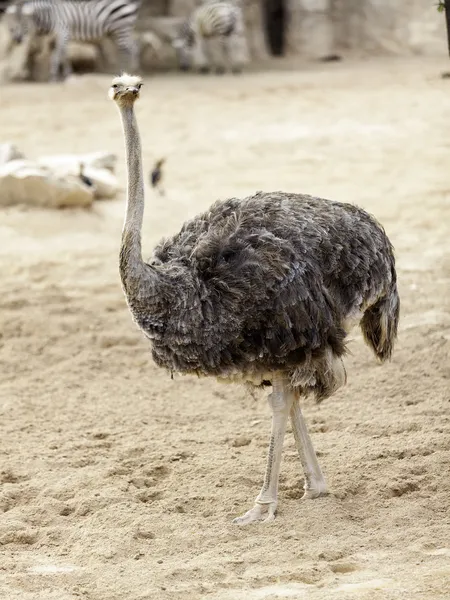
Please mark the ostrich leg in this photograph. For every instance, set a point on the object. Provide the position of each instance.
(281, 400)
(315, 484)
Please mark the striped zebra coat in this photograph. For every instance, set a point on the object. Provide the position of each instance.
(79, 20)
(215, 20)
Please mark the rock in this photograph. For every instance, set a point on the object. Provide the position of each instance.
(96, 160)
(55, 180)
(144, 533)
(14, 63)
(241, 441)
(149, 39)
(165, 28)
(28, 59)
(153, 51)
(27, 182)
(104, 182)
(41, 49)
(83, 56)
(9, 152)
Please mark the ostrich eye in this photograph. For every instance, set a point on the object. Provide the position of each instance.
(140, 85)
(114, 86)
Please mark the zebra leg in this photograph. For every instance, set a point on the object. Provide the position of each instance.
(225, 51)
(230, 45)
(66, 66)
(202, 54)
(237, 45)
(59, 57)
(129, 50)
(217, 54)
(104, 62)
(221, 68)
(134, 56)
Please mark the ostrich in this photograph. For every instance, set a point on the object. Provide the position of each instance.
(261, 291)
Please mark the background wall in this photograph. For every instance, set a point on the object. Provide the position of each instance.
(392, 26)
(317, 27)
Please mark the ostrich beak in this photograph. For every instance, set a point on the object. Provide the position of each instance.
(133, 89)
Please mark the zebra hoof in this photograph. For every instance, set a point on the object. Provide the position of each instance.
(184, 68)
(204, 70)
(236, 71)
(220, 71)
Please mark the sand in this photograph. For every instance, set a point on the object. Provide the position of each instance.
(119, 483)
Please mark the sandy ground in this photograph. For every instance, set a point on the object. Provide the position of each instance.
(117, 482)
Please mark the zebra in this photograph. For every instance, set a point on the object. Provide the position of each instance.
(221, 20)
(79, 20)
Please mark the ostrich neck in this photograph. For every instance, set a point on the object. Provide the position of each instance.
(131, 263)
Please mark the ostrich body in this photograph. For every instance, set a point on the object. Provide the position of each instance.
(260, 291)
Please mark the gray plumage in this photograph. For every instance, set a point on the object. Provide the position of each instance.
(264, 284)
(262, 291)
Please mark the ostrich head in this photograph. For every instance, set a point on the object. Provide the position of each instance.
(125, 90)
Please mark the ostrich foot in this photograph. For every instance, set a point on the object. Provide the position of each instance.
(315, 489)
(260, 512)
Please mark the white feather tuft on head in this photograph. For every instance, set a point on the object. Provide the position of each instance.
(127, 80)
